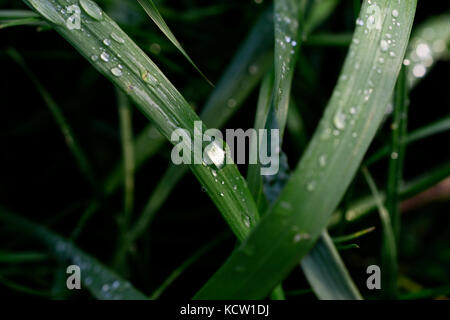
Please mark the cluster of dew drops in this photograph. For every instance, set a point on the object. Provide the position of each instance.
(91, 9)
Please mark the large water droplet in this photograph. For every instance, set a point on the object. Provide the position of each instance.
(215, 154)
(339, 120)
(92, 9)
(104, 56)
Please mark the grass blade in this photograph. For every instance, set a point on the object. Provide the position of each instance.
(388, 243)
(152, 11)
(396, 160)
(98, 279)
(284, 236)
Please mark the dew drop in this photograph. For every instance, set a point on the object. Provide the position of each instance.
(117, 72)
(92, 9)
(231, 103)
(215, 154)
(323, 160)
(395, 13)
(246, 220)
(117, 38)
(394, 155)
(311, 186)
(384, 45)
(104, 56)
(107, 42)
(339, 120)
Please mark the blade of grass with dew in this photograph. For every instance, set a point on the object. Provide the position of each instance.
(124, 63)
(272, 110)
(397, 151)
(71, 142)
(152, 11)
(238, 81)
(388, 243)
(284, 236)
(323, 268)
(319, 11)
(98, 279)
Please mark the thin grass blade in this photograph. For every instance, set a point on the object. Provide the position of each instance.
(152, 11)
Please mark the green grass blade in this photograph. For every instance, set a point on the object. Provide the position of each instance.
(320, 11)
(17, 14)
(297, 219)
(397, 151)
(21, 22)
(98, 279)
(145, 145)
(152, 11)
(388, 242)
(126, 129)
(21, 257)
(353, 236)
(327, 273)
(132, 71)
